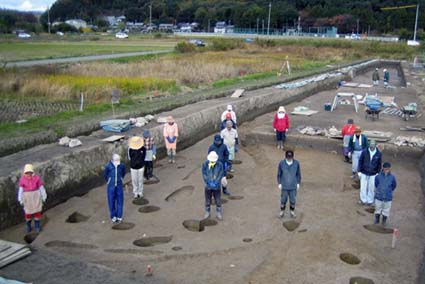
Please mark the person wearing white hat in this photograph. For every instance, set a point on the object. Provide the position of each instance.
(370, 164)
(375, 77)
(229, 109)
(31, 195)
(281, 126)
(136, 156)
(171, 133)
(386, 78)
(212, 173)
(114, 175)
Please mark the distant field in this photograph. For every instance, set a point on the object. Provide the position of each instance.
(19, 51)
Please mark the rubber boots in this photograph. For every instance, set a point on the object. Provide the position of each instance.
(377, 216)
(384, 221)
(225, 192)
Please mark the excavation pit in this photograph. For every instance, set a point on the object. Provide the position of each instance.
(378, 229)
(361, 280)
(66, 244)
(194, 225)
(291, 225)
(29, 238)
(123, 226)
(349, 258)
(247, 240)
(76, 217)
(182, 191)
(149, 209)
(140, 201)
(152, 241)
(176, 248)
(235, 197)
(208, 222)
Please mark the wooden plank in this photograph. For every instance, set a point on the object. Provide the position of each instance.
(113, 138)
(351, 84)
(365, 86)
(237, 93)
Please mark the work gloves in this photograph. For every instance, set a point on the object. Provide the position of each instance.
(171, 139)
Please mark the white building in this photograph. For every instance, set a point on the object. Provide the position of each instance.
(223, 28)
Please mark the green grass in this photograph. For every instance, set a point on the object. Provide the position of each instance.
(250, 77)
(19, 51)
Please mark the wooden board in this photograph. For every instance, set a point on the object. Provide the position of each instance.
(365, 86)
(113, 138)
(307, 112)
(237, 93)
(11, 252)
(351, 84)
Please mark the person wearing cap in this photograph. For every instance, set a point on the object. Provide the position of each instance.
(31, 195)
(357, 144)
(170, 133)
(281, 126)
(288, 180)
(223, 157)
(114, 174)
(347, 132)
(136, 155)
(385, 184)
(228, 118)
(231, 140)
(370, 163)
(149, 144)
(229, 109)
(212, 173)
(386, 77)
(375, 77)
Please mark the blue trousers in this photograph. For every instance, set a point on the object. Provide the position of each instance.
(208, 197)
(284, 198)
(115, 201)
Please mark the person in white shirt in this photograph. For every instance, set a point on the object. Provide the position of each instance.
(230, 139)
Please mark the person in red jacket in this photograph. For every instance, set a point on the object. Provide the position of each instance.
(281, 126)
(347, 131)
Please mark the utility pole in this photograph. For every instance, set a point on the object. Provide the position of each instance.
(208, 25)
(258, 21)
(416, 22)
(268, 23)
(48, 19)
(263, 27)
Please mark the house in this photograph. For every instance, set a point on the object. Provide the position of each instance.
(135, 26)
(77, 23)
(166, 27)
(223, 28)
(114, 21)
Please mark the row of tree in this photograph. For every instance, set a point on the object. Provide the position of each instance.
(347, 16)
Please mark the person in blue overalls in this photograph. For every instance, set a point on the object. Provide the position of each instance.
(114, 175)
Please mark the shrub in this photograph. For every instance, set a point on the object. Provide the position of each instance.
(185, 47)
(220, 44)
(265, 42)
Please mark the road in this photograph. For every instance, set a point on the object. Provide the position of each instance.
(30, 63)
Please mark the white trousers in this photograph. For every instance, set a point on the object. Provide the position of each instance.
(367, 189)
(382, 207)
(137, 181)
(355, 156)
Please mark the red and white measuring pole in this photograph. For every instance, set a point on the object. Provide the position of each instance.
(395, 235)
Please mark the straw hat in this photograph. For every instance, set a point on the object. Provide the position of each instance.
(212, 156)
(28, 169)
(281, 109)
(135, 142)
(170, 119)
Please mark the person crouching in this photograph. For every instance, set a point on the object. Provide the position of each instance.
(212, 173)
(114, 174)
(31, 196)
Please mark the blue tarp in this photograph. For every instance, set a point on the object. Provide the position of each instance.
(115, 125)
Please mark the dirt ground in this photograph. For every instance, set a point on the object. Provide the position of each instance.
(329, 218)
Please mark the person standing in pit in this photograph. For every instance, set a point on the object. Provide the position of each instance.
(230, 139)
(171, 133)
(228, 118)
(136, 156)
(212, 173)
(223, 157)
(385, 184)
(347, 132)
(150, 147)
(114, 174)
(288, 180)
(31, 195)
(370, 163)
(281, 126)
(358, 143)
(232, 113)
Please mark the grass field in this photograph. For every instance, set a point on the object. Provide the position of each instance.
(19, 50)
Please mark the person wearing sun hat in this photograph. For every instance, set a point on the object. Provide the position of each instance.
(357, 144)
(136, 156)
(212, 173)
(171, 133)
(370, 163)
(229, 109)
(31, 195)
(385, 184)
(114, 175)
(281, 126)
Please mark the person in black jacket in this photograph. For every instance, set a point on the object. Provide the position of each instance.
(136, 155)
(370, 163)
(223, 157)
